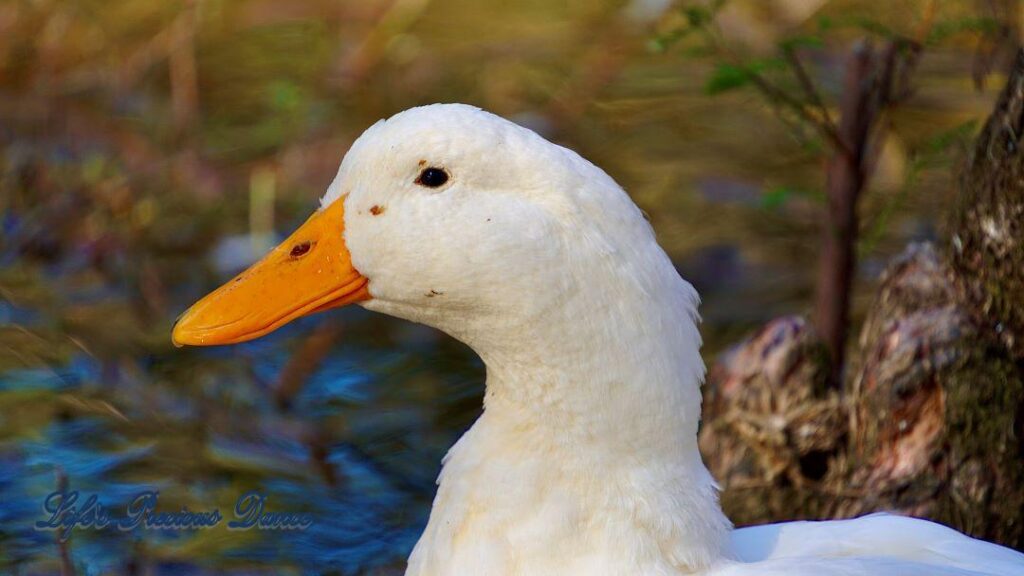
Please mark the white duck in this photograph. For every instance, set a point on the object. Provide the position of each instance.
(585, 459)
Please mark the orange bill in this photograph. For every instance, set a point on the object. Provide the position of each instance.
(309, 272)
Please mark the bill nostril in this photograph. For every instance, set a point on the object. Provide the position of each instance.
(300, 249)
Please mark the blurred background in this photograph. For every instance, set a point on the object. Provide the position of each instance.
(149, 150)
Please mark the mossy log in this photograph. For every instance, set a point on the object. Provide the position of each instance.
(930, 418)
(934, 409)
(988, 222)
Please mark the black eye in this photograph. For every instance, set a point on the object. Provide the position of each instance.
(432, 177)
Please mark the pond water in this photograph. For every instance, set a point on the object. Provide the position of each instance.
(357, 450)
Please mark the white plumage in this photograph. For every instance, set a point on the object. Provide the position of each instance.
(585, 460)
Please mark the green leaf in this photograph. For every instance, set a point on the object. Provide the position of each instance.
(776, 197)
(663, 42)
(284, 95)
(796, 42)
(944, 30)
(699, 51)
(726, 77)
(697, 16)
(874, 27)
(943, 140)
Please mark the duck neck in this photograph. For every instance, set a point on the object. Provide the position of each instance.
(608, 389)
(626, 375)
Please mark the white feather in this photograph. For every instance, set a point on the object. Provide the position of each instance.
(585, 460)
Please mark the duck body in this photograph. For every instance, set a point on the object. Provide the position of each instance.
(883, 544)
(585, 460)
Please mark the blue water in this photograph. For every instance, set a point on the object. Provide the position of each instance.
(357, 450)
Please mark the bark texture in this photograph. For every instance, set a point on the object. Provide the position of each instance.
(988, 224)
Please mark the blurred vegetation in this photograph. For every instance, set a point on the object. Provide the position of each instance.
(149, 149)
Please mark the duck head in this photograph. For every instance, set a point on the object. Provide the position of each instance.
(536, 259)
(445, 215)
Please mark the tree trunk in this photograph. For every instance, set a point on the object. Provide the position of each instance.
(845, 179)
